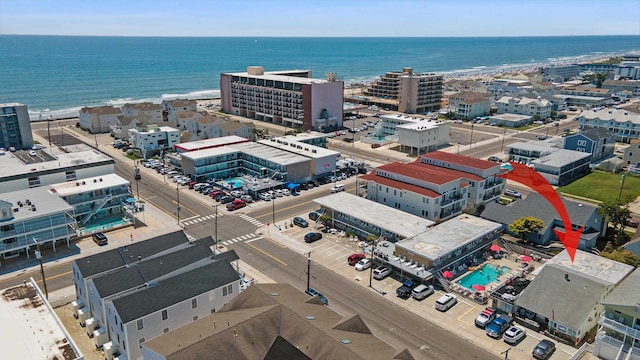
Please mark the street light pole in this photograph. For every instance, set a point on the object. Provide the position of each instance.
(621, 186)
(178, 201)
(502, 146)
(309, 270)
(373, 242)
(471, 139)
(39, 257)
(215, 230)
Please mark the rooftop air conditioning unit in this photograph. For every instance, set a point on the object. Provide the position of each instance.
(76, 305)
(100, 336)
(110, 350)
(91, 325)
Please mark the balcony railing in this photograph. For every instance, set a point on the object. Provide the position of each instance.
(612, 324)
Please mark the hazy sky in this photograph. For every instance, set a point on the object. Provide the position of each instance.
(320, 17)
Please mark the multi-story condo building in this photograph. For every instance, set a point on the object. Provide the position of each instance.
(618, 335)
(560, 73)
(624, 125)
(468, 105)
(99, 119)
(524, 106)
(404, 91)
(631, 156)
(615, 86)
(152, 139)
(598, 142)
(15, 126)
(290, 98)
(435, 187)
(31, 217)
(154, 111)
(420, 133)
(584, 96)
(178, 105)
(68, 163)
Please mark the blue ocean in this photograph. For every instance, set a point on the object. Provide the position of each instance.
(59, 74)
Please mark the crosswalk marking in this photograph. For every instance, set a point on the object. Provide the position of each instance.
(251, 220)
(192, 221)
(242, 238)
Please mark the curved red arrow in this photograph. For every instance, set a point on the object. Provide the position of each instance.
(531, 178)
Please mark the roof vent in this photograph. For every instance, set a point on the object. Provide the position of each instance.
(274, 294)
(77, 184)
(345, 341)
(84, 183)
(95, 181)
(100, 179)
(309, 317)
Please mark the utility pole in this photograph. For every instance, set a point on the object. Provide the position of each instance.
(471, 139)
(215, 229)
(621, 186)
(39, 257)
(373, 242)
(178, 201)
(273, 209)
(49, 130)
(308, 270)
(506, 354)
(502, 146)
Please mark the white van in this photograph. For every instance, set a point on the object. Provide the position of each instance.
(446, 302)
(337, 188)
(421, 291)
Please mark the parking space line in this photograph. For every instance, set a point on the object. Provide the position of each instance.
(252, 240)
(466, 312)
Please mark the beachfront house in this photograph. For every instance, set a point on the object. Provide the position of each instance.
(624, 124)
(536, 108)
(154, 111)
(99, 119)
(469, 105)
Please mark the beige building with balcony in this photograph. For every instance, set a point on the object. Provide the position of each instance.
(289, 98)
(469, 105)
(404, 91)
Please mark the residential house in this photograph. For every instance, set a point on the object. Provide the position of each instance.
(170, 107)
(469, 105)
(535, 205)
(180, 119)
(624, 124)
(99, 119)
(597, 141)
(537, 108)
(631, 156)
(125, 123)
(618, 334)
(154, 111)
(566, 297)
(273, 321)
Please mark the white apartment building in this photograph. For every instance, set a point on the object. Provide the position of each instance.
(209, 127)
(623, 124)
(469, 105)
(524, 106)
(152, 139)
(404, 91)
(15, 126)
(67, 163)
(99, 119)
(423, 134)
(290, 98)
(616, 86)
(154, 111)
(177, 105)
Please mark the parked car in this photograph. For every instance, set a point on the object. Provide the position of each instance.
(236, 193)
(422, 291)
(312, 236)
(513, 193)
(265, 196)
(354, 258)
(381, 272)
(246, 198)
(315, 215)
(300, 222)
(236, 204)
(100, 238)
(337, 188)
(286, 192)
(363, 264)
(214, 192)
(544, 349)
(514, 335)
(314, 292)
(486, 317)
(494, 158)
(498, 326)
(375, 146)
(404, 291)
(446, 302)
(226, 199)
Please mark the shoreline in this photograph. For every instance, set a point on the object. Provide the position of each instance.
(479, 72)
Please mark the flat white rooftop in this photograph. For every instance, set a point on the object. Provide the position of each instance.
(510, 117)
(597, 267)
(69, 157)
(385, 217)
(304, 136)
(275, 155)
(44, 202)
(276, 76)
(300, 148)
(88, 184)
(449, 236)
(208, 143)
(29, 329)
(407, 119)
(154, 129)
(210, 152)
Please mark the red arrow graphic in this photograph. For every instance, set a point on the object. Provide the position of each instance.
(531, 178)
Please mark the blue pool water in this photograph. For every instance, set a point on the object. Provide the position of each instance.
(232, 183)
(484, 275)
(104, 224)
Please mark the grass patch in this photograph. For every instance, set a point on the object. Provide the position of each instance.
(527, 127)
(604, 186)
(134, 156)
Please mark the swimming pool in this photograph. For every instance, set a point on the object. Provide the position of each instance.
(104, 224)
(484, 275)
(232, 183)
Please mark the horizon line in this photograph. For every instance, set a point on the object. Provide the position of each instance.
(326, 37)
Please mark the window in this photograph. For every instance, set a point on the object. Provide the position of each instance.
(140, 342)
(194, 303)
(227, 290)
(582, 142)
(164, 314)
(166, 330)
(140, 324)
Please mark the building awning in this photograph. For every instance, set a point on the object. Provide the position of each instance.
(292, 186)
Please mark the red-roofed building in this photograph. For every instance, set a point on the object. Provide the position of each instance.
(435, 187)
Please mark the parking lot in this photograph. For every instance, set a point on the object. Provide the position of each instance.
(332, 252)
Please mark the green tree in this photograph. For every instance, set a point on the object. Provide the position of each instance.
(525, 226)
(325, 219)
(617, 213)
(622, 255)
(261, 133)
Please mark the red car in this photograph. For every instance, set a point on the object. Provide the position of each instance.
(215, 193)
(236, 204)
(354, 258)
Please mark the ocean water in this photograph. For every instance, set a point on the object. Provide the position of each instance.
(59, 74)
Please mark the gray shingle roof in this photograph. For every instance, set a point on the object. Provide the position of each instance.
(626, 293)
(116, 258)
(174, 290)
(537, 206)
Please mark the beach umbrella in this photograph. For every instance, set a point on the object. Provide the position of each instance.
(447, 274)
(525, 258)
(495, 247)
(478, 287)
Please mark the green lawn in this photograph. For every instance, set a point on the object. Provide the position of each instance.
(603, 186)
